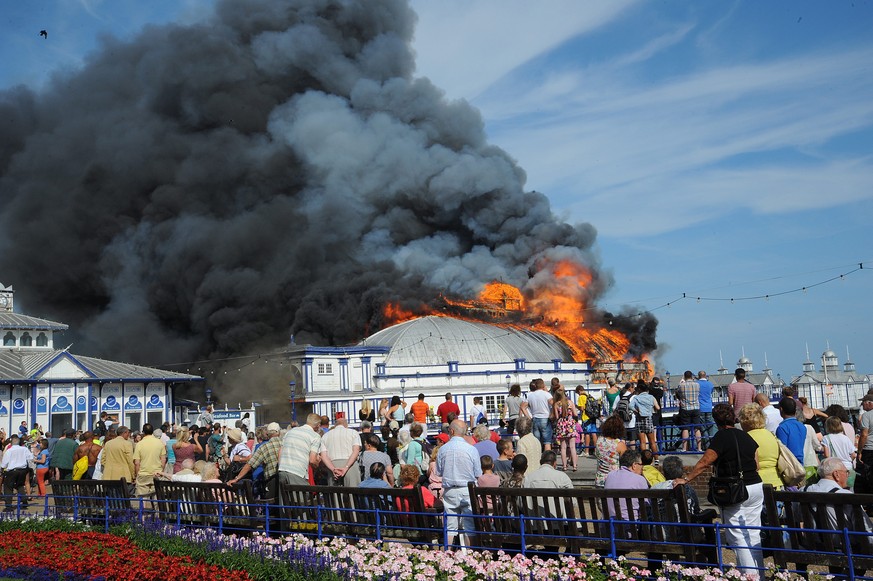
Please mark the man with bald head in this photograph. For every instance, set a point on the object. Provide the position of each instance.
(339, 453)
(458, 464)
(771, 414)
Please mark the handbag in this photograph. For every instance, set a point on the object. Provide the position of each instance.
(728, 490)
(791, 471)
(80, 467)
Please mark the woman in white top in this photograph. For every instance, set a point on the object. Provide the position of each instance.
(836, 444)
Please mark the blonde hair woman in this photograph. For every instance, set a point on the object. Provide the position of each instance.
(185, 448)
(754, 423)
(367, 414)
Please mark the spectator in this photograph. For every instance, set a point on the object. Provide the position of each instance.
(488, 478)
(589, 424)
(397, 413)
(477, 412)
(483, 444)
(841, 412)
(527, 444)
(117, 457)
(62, 456)
(740, 392)
(409, 477)
(565, 428)
(434, 480)
(791, 432)
(372, 455)
(629, 476)
(772, 417)
(652, 475)
(446, 408)
(89, 447)
(547, 476)
(376, 478)
(539, 403)
(266, 455)
(688, 396)
(299, 451)
(41, 460)
(644, 405)
(705, 400)
(15, 470)
(519, 469)
(458, 463)
(185, 448)
(732, 451)
(206, 419)
(419, 410)
(864, 480)
(609, 449)
(148, 459)
(754, 423)
(837, 445)
(339, 453)
(503, 463)
(367, 413)
(513, 408)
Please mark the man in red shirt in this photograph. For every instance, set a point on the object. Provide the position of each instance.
(740, 392)
(448, 407)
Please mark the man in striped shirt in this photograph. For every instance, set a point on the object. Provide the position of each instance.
(300, 448)
(688, 395)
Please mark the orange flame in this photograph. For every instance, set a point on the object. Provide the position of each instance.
(557, 306)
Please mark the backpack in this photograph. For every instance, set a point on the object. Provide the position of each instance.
(622, 408)
(593, 407)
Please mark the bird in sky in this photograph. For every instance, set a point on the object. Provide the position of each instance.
(44, 33)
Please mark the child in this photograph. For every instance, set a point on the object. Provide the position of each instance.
(504, 461)
(488, 479)
(652, 474)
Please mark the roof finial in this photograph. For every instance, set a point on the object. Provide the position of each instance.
(807, 351)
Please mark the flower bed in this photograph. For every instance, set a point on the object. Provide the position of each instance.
(90, 555)
(157, 551)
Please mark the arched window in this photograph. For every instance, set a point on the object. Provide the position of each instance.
(26, 340)
(9, 339)
(42, 340)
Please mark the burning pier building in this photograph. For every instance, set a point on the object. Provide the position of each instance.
(203, 191)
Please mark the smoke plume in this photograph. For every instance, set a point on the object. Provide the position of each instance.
(206, 190)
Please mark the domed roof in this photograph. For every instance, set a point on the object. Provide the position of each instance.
(436, 340)
(743, 360)
(829, 354)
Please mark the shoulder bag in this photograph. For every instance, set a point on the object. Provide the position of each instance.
(791, 472)
(728, 490)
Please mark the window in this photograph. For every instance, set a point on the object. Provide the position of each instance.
(325, 368)
(26, 340)
(42, 340)
(9, 339)
(493, 403)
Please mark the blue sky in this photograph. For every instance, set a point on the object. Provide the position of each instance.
(721, 149)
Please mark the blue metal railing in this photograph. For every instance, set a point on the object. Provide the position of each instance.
(330, 522)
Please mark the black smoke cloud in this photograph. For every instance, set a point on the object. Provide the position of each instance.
(204, 191)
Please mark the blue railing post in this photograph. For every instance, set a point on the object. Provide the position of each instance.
(178, 513)
(521, 534)
(612, 549)
(267, 518)
(75, 508)
(718, 546)
(318, 520)
(140, 510)
(848, 543)
(378, 524)
(45, 502)
(445, 531)
(220, 518)
(106, 515)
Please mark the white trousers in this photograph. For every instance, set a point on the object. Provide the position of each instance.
(746, 542)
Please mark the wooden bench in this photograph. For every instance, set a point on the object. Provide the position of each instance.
(358, 513)
(578, 520)
(209, 504)
(89, 500)
(813, 538)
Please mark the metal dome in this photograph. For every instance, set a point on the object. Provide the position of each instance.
(743, 360)
(436, 340)
(829, 354)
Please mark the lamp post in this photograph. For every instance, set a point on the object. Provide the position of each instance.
(403, 389)
(292, 385)
(208, 395)
(508, 379)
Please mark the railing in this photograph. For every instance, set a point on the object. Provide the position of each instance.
(330, 522)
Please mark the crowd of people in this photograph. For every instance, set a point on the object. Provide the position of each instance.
(392, 449)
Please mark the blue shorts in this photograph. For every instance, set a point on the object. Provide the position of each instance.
(542, 430)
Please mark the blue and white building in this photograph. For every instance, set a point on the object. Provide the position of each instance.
(434, 355)
(58, 390)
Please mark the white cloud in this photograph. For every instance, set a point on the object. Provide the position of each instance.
(464, 47)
